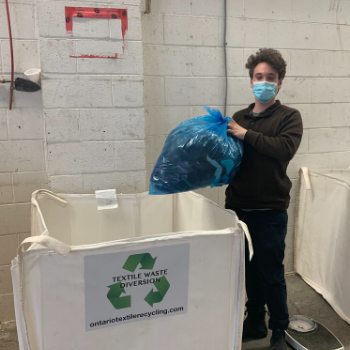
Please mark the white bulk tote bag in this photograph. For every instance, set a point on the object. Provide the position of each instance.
(149, 272)
(322, 235)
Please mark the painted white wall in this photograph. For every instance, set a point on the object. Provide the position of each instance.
(83, 131)
(22, 158)
(94, 115)
(184, 69)
(86, 129)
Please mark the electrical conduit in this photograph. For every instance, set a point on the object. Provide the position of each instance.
(11, 49)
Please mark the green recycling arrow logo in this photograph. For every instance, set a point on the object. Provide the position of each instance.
(156, 297)
(147, 263)
(114, 296)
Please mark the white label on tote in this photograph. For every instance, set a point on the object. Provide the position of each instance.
(106, 199)
(136, 285)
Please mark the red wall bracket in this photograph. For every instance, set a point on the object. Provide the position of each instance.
(91, 12)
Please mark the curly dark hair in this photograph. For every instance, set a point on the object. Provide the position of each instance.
(270, 56)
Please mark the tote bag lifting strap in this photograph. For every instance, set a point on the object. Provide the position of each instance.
(44, 240)
(48, 242)
(245, 230)
(305, 172)
(35, 206)
(59, 199)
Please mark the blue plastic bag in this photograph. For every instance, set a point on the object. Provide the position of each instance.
(196, 154)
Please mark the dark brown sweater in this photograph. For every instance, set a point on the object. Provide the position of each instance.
(270, 143)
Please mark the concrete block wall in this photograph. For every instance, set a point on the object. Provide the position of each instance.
(22, 160)
(83, 131)
(184, 69)
(94, 110)
(86, 130)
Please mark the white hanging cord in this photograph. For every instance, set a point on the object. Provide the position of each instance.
(225, 56)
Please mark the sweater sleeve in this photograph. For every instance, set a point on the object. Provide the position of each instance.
(282, 147)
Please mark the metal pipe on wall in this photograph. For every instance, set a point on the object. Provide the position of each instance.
(11, 49)
(148, 6)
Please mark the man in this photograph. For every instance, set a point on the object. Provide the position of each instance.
(259, 194)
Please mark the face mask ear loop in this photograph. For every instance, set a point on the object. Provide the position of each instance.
(278, 88)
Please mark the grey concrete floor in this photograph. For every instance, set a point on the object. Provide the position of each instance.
(303, 300)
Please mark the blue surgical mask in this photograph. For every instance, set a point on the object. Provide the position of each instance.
(264, 91)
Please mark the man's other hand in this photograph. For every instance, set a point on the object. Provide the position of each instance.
(236, 130)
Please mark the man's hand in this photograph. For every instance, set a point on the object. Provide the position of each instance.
(236, 130)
